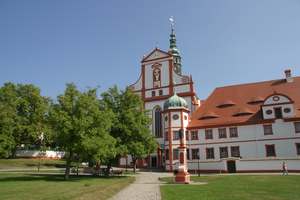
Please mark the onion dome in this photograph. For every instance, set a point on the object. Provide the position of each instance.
(175, 102)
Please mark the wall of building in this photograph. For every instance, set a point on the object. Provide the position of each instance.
(36, 154)
(252, 143)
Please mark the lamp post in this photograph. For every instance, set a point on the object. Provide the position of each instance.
(41, 138)
(198, 163)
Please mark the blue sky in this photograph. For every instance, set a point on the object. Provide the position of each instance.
(101, 43)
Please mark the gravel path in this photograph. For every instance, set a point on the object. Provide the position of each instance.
(146, 187)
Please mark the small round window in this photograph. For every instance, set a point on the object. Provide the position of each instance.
(185, 117)
(166, 118)
(287, 110)
(276, 98)
(175, 117)
(269, 112)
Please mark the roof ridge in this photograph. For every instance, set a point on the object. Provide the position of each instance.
(254, 83)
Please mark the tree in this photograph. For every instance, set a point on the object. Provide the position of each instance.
(82, 126)
(131, 127)
(23, 112)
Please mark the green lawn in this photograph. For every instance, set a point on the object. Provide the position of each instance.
(30, 163)
(236, 187)
(47, 187)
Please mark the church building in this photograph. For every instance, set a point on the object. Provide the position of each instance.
(251, 127)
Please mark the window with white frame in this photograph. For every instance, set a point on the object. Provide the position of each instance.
(176, 135)
(208, 134)
(222, 133)
(223, 152)
(297, 127)
(268, 130)
(298, 148)
(187, 154)
(195, 154)
(270, 150)
(233, 132)
(194, 135)
(187, 135)
(235, 151)
(210, 154)
(175, 154)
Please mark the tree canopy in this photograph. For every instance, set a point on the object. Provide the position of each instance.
(131, 124)
(82, 126)
(80, 123)
(23, 116)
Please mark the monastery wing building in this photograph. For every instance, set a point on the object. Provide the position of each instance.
(251, 127)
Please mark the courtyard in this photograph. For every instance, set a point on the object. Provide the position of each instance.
(19, 179)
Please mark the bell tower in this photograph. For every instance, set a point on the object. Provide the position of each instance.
(173, 50)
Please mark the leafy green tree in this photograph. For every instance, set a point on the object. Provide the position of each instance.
(131, 124)
(32, 113)
(23, 112)
(82, 126)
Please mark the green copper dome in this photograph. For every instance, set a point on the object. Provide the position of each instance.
(175, 101)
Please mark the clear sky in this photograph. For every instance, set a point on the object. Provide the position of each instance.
(101, 43)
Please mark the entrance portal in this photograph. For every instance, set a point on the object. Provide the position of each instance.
(153, 162)
(231, 167)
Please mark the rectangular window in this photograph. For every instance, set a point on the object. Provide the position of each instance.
(153, 93)
(270, 150)
(223, 152)
(166, 136)
(208, 134)
(187, 154)
(210, 154)
(222, 133)
(175, 154)
(195, 154)
(187, 135)
(160, 92)
(194, 135)
(233, 132)
(298, 148)
(297, 127)
(278, 112)
(176, 135)
(167, 154)
(235, 151)
(268, 130)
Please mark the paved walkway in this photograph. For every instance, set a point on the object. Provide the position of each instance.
(145, 187)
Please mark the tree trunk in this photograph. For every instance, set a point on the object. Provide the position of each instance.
(77, 168)
(134, 164)
(108, 169)
(68, 165)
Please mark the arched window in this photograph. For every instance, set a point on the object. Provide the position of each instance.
(157, 122)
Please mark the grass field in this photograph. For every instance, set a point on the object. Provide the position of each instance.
(30, 163)
(53, 187)
(242, 187)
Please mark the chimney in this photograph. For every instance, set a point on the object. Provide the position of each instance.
(288, 76)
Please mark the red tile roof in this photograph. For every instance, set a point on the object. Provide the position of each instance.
(245, 106)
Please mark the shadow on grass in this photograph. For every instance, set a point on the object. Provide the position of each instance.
(54, 178)
(46, 165)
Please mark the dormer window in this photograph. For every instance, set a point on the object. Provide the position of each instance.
(277, 106)
(226, 104)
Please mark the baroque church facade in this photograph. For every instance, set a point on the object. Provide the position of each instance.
(241, 128)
